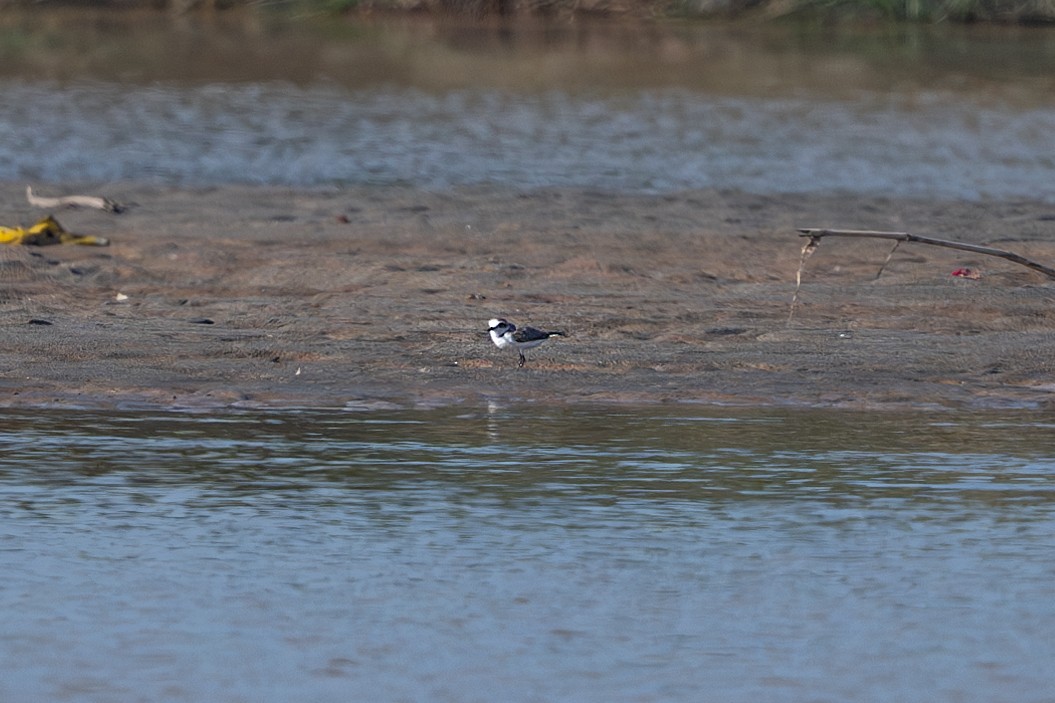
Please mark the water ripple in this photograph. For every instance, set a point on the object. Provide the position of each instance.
(654, 141)
(523, 554)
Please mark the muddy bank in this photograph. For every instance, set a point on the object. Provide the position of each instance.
(365, 297)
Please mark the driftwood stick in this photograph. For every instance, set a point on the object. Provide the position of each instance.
(817, 233)
(89, 201)
(807, 250)
(887, 259)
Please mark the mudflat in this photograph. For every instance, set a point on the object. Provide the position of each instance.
(372, 297)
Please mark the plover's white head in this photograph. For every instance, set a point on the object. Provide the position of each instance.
(500, 330)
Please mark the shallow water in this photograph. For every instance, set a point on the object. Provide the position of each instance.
(527, 554)
(938, 113)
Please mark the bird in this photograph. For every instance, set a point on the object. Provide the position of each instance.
(505, 334)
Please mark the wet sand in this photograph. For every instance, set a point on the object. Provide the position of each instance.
(240, 297)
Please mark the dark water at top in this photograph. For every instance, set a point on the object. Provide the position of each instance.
(523, 554)
(931, 112)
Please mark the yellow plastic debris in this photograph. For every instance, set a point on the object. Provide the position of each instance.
(48, 231)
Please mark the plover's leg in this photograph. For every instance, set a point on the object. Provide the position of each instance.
(522, 359)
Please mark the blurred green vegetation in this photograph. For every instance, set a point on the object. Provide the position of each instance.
(965, 11)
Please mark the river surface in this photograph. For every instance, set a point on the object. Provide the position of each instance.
(931, 112)
(527, 554)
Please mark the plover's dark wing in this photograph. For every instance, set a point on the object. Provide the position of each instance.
(530, 334)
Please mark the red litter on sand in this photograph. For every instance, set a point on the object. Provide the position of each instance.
(966, 273)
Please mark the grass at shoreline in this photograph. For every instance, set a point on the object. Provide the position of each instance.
(960, 11)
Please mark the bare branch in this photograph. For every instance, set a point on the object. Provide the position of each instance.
(817, 233)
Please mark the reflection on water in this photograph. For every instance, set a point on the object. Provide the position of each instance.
(522, 554)
(965, 114)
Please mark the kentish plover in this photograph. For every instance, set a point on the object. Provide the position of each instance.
(506, 334)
